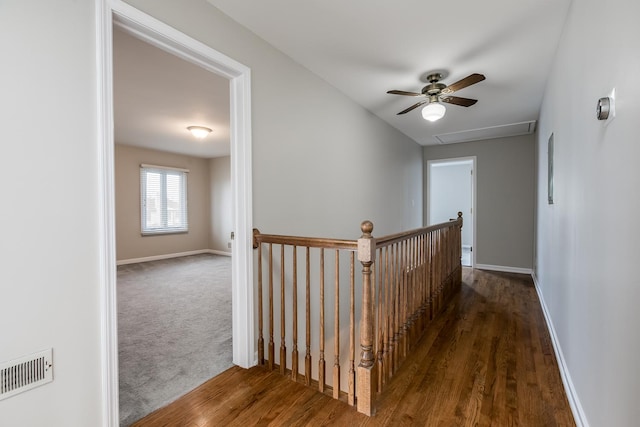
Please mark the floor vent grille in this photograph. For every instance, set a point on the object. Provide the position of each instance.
(25, 373)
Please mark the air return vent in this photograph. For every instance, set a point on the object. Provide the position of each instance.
(25, 373)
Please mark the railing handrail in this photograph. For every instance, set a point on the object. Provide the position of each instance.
(312, 242)
(351, 245)
(403, 235)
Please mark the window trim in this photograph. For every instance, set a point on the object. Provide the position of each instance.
(164, 170)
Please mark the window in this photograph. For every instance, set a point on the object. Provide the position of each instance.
(163, 199)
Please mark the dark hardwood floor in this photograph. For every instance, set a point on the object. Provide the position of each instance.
(487, 361)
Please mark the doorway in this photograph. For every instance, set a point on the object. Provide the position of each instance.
(174, 275)
(451, 189)
(160, 35)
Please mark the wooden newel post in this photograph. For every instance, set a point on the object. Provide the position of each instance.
(366, 373)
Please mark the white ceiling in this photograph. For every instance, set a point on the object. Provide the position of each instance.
(362, 47)
(157, 95)
(366, 47)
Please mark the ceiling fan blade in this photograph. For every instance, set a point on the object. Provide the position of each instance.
(465, 102)
(461, 84)
(413, 107)
(402, 92)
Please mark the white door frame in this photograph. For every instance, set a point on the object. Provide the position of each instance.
(156, 33)
(474, 210)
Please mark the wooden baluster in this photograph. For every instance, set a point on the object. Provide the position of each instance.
(419, 284)
(417, 292)
(440, 270)
(374, 302)
(366, 368)
(283, 347)
(436, 246)
(409, 321)
(260, 314)
(405, 289)
(336, 332)
(351, 398)
(396, 307)
(444, 266)
(413, 322)
(294, 353)
(387, 318)
(431, 275)
(271, 345)
(412, 292)
(459, 284)
(403, 299)
(443, 233)
(390, 309)
(441, 253)
(418, 288)
(436, 270)
(380, 321)
(401, 306)
(450, 257)
(423, 281)
(427, 278)
(321, 362)
(413, 289)
(307, 357)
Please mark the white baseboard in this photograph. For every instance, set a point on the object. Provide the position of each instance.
(504, 269)
(574, 402)
(173, 255)
(216, 252)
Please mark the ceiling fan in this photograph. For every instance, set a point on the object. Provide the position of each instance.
(437, 93)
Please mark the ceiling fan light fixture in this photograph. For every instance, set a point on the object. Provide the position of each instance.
(199, 132)
(433, 111)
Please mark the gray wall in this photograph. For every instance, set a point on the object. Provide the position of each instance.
(588, 240)
(505, 197)
(221, 208)
(50, 276)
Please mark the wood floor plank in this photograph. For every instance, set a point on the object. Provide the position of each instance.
(486, 361)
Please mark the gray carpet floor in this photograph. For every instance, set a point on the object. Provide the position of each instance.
(174, 329)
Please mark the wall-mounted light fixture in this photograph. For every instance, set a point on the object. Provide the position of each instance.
(433, 111)
(199, 132)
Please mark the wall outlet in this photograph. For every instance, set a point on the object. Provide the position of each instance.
(229, 245)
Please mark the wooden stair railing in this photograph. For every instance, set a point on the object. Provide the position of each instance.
(415, 275)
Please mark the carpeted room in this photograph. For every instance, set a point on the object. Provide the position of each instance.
(173, 287)
(174, 329)
(174, 313)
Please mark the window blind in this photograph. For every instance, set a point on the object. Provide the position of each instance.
(163, 199)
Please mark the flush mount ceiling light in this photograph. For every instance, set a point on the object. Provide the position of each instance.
(199, 132)
(433, 111)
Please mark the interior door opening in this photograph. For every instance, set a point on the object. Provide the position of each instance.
(451, 189)
(161, 35)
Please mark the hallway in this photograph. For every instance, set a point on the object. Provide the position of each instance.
(487, 360)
